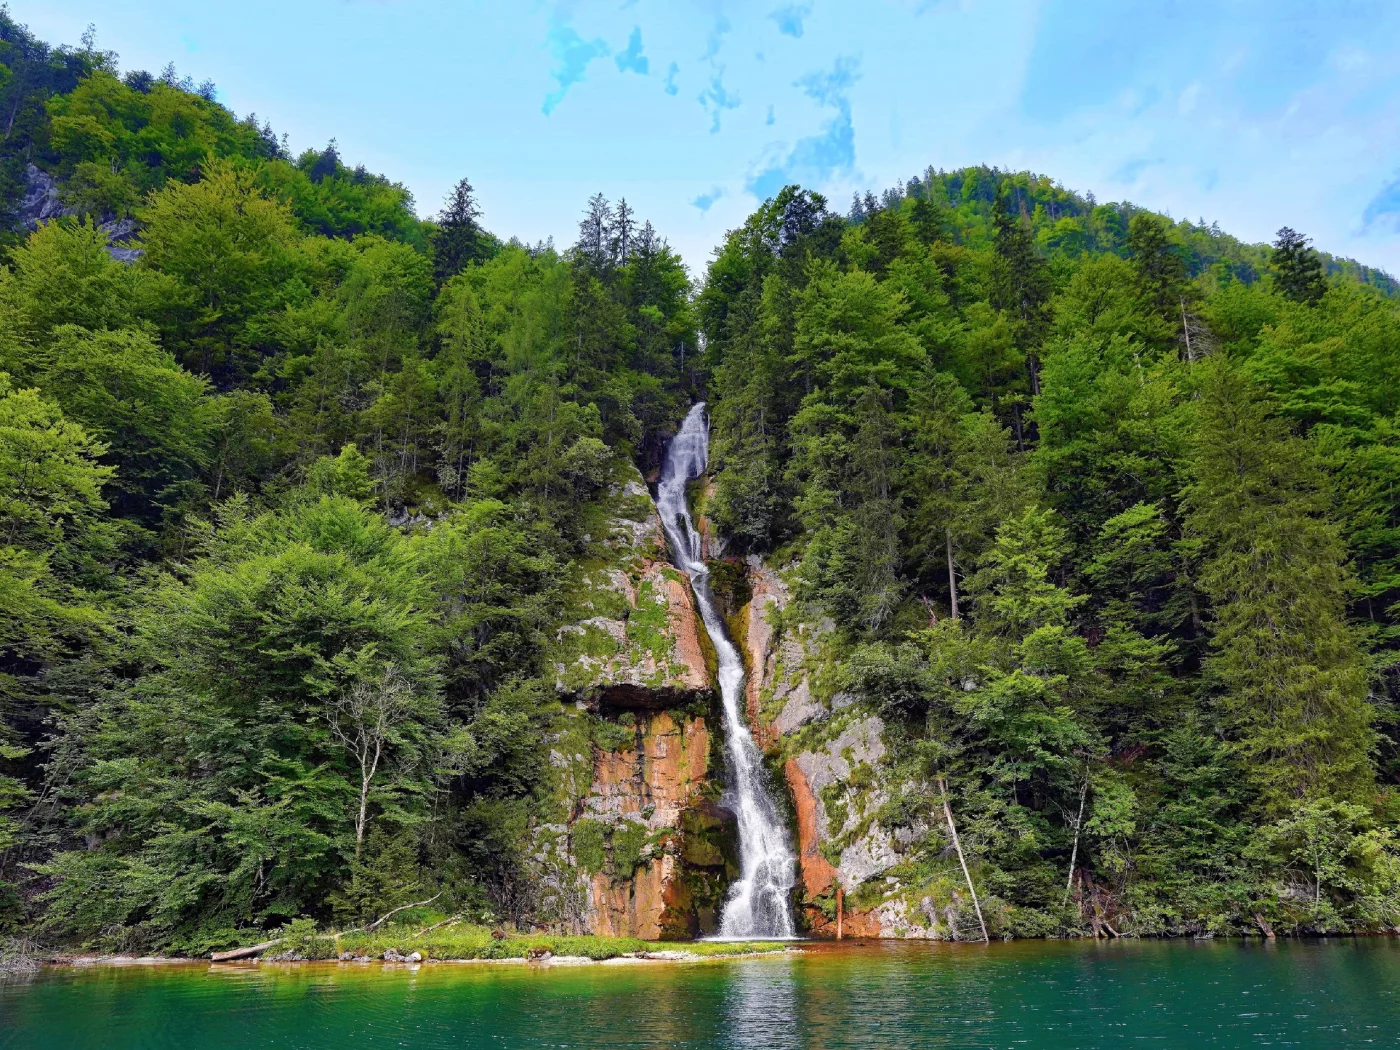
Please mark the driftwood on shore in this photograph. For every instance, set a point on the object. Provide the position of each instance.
(245, 953)
(403, 907)
(257, 949)
(439, 925)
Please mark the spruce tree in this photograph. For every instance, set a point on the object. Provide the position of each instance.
(458, 238)
(327, 163)
(623, 233)
(1160, 270)
(1297, 268)
(1287, 666)
(928, 219)
(1023, 285)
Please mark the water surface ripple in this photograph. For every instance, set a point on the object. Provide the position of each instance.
(1043, 995)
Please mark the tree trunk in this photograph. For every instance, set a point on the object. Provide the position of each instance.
(1186, 331)
(402, 907)
(366, 776)
(952, 572)
(14, 110)
(1074, 853)
(957, 844)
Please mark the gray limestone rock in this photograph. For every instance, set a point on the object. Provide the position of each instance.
(42, 202)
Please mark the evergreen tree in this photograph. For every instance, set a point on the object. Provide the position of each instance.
(927, 218)
(1287, 664)
(1298, 269)
(1159, 269)
(458, 240)
(1022, 283)
(326, 164)
(622, 234)
(594, 234)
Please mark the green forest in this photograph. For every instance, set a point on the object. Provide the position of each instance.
(1104, 508)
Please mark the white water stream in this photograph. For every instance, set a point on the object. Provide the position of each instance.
(758, 904)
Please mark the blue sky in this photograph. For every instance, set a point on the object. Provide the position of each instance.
(1252, 114)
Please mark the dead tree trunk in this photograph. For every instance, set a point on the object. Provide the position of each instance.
(957, 845)
(1078, 823)
(952, 572)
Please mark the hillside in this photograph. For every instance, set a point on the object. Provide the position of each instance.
(333, 582)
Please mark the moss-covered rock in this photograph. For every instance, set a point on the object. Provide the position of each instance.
(840, 772)
(631, 637)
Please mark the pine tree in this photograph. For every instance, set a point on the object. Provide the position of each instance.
(927, 219)
(458, 238)
(623, 233)
(327, 163)
(1298, 269)
(594, 231)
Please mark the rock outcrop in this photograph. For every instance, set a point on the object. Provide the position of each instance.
(840, 776)
(42, 199)
(638, 845)
(43, 202)
(634, 640)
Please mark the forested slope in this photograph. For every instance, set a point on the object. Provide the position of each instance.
(1101, 511)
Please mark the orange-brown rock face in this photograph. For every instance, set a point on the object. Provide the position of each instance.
(769, 596)
(685, 629)
(648, 807)
(634, 843)
(634, 907)
(816, 871)
(712, 542)
(847, 745)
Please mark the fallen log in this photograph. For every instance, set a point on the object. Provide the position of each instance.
(258, 949)
(245, 953)
(416, 904)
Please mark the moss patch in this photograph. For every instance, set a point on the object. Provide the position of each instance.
(629, 839)
(586, 839)
(618, 733)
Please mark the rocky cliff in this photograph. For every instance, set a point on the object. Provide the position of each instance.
(861, 815)
(638, 845)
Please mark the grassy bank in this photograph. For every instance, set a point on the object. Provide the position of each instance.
(477, 942)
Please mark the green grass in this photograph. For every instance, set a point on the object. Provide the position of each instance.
(476, 942)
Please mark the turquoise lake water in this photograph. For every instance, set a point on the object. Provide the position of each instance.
(1042, 995)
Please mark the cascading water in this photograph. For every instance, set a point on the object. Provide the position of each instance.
(758, 903)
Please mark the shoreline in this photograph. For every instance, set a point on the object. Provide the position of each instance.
(661, 956)
(66, 961)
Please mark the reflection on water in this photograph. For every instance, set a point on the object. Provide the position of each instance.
(1043, 995)
(760, 1007)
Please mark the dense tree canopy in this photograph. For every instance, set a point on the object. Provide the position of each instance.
(1102, 507)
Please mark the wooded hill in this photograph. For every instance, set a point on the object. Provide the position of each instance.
(1103, 507)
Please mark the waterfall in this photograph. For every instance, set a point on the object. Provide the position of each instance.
(757, 905)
